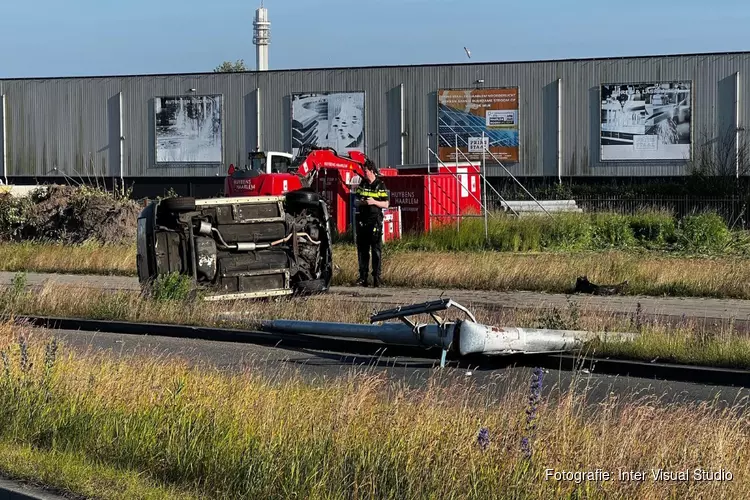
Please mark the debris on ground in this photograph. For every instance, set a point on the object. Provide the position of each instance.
(70, 215)
(583, 285)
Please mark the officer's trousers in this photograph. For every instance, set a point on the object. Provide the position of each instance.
(369, 241)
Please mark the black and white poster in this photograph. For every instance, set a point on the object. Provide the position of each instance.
(646, 121)
(189, 129)
(329, 119)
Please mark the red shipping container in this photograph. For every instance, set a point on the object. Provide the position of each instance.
(426, 201)
(471, 183)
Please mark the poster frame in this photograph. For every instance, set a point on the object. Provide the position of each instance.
(189, 163)
(328, 92)
(664, 161)
(489, 159)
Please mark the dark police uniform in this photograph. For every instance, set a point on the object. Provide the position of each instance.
(369, 227)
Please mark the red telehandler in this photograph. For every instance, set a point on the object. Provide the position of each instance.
(274, 173)
(269, 236)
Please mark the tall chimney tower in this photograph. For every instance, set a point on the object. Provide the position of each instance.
(261, 37)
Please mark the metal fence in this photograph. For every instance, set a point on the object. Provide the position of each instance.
(733, 210)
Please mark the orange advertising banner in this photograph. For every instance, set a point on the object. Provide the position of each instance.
(464, 114)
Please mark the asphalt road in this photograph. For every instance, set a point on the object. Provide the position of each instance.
(711, 310)
(493, 380)
(414, 371)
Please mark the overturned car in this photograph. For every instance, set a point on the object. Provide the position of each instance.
(239, 248)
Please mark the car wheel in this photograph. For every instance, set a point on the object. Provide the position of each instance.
(302, 199)
(186, 204)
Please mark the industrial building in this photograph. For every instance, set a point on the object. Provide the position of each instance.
(557, 119)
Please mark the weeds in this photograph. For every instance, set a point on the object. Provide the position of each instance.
(553, 320)
(173, 287)
(705, 233)
(193, 432)
(653, 229)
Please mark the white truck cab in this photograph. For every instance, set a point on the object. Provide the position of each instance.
(269, 162)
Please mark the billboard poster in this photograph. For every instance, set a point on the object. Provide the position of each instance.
(188, 129)
(469, 112)
(646, 121)
(329, 119)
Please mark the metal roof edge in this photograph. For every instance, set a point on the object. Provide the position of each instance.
(373, 67)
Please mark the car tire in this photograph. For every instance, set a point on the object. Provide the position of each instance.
(302, 199)
(180, 204)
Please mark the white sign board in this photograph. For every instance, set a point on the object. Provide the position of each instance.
(476, 145)
(496, 117)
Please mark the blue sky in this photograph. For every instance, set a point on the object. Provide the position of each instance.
(107, 37)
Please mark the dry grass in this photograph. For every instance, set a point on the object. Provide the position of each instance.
(649, 273)
(240, 435)
(684, 343)
(74, 259)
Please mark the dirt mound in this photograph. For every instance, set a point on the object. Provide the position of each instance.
(69, 214)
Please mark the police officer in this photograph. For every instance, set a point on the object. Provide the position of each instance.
(371, 197)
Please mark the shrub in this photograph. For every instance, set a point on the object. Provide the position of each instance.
(704, 233)
(612, 231)
(172, 287)
(508, 234)
(567, 231)
(653, 228)
(68, 214)
(14, 213)
(470, 235)
(575, 231)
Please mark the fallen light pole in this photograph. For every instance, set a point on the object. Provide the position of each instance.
(461, 336)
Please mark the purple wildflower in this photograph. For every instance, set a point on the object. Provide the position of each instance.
(50, 354)
(484, 438)
(24, 354)
(526, 447)
(535, 393)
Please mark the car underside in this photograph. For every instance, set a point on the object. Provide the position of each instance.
(238, 248)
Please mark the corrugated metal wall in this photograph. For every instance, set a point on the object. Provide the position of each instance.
(71, 125)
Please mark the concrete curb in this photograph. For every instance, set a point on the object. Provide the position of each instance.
(13, 490)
